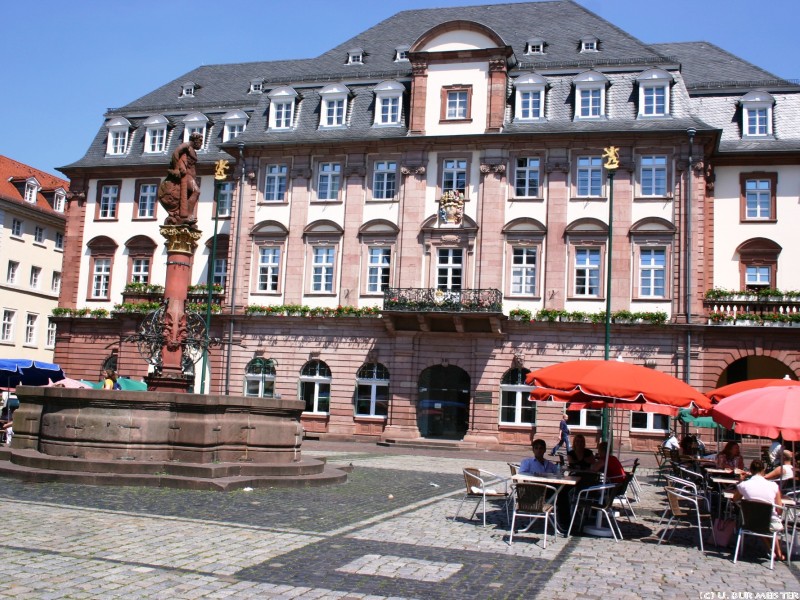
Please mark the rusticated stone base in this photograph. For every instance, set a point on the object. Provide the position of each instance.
(160, 438)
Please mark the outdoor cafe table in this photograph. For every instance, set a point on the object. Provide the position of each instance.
(549, 479)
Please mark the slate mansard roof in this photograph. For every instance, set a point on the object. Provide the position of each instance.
(561, 24)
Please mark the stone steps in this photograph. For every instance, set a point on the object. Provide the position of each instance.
(430, 444)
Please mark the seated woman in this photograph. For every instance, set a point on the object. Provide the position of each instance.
(730, 457)
(783, 473)
(614, 473)
(759, 489)
(580, 457)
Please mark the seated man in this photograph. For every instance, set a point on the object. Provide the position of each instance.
(614, 473)
(762, 490)
(537, 464)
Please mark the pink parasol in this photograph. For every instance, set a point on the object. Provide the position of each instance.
(742, 386)
(767, 412)
(68, 383)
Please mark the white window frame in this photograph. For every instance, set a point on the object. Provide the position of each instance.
(649, 269)
(55, 283)
(118, 134)
(450, 273)
(355, 56)
(155, 136)
(524, 270)
(109, 201)
(59, 199)
(379, 268)
(52, 330)
(650, 82)
(36, 277)
(101, 278)
(590, 44)
(591, 165)
(329, 173)
(373, 384)
(235, 124)
(649, 427)
(9, 321)
(31, 328)
(59, 241)
(12, 272)
(225, 199)
(651, 165)
(583, 419)
(148, 196)
(275, 179)
(220, 273)
(590, 82)
(333, 111)
(32, 188)
(527, 173)
(384, 179)
(401, 54)
(38, 235)
(758, 275)
(259, 380)
(589, 270)
(269, 269)
(188, 89)
(256, 86)
(761, 209)
(522, 393)
(529, 88)
(753, 104)
(534, 46)
(454, 171)
(323, 269)
(140, 269)
(391, 93)
(458, 104)
(195, 123)
(16, 228)
(318, 381)
(285, 98)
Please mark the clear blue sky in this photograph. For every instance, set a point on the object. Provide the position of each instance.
(65, 63)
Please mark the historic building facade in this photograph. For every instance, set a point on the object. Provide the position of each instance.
(32, 205)
(421, 216)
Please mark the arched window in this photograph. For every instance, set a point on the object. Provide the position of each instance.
(516, 407)
(372, 391)
(315, 387)
(259, 378)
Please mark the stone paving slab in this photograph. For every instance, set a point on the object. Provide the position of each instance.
(387, 533)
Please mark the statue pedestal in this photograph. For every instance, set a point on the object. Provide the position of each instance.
(169, 381)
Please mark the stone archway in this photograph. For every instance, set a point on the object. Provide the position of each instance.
(443, 407)
(754, 367)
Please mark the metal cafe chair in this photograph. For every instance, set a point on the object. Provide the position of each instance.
(482, 485)
(534, 501)
(756, 517)
(687, 508)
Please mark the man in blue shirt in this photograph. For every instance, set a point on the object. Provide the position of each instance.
(564, 435)
(537, 464)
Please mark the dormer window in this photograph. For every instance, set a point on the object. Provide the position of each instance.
(256, 86)
(534, 46)
(401, 54)
(388, 103)
(757, 114)
(281, 109)
(334, 105)
(654, 87)
(529, 105)
(59, 199)
(118, 130)
(188, 89)
(195, 123)
(155, 137)
(355, 56)
(590, 95)
(590, 44)
(32, 188)
(235, 124)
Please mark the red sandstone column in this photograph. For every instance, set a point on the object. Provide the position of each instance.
(555, 253)
(419, 91)
(491, 218)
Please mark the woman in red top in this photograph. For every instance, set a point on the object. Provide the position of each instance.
(615, 473)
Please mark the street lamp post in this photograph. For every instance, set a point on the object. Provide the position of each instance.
(611, 154)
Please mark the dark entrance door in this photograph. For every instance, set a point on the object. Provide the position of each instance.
(443, 407)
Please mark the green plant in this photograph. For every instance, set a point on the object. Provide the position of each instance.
(202, 307)
(202, 288)
(99, 313)
(598, 317)
(719, 317)
(718, 294)
(136, 307)
(656, 317)
(135, 287)
(520, 313)
(550, 314)
(81, 312)
(61, 311)
(622, 315)
(577, 315)
(769, 293)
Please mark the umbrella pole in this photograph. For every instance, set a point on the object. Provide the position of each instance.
(598, 529)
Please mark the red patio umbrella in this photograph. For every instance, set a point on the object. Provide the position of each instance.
(599, 383)
(742, 386)
(767, 412)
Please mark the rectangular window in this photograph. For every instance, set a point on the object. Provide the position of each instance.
(523, 272)
(515, 406)
(269, 269)
(51, 335)
(11, 274)
(757, 121)
(585, 418)
(55, 283)
(38, 234)
(643, 421)
(155, 139)
(322, 273)
(590, 176)
(119, 140)
(148, 193)
(384, 179)
(101, 277)
(225, 199)
(31, 321)
(9, 317)
(109, 196)
(378, 269)
(389, 111)
(329, 174)
(758, 275)
(140, 270)
(283, 114)
(454, 175)
(58, 202)
(233, 130)
(590, 103)
(16, 228)
(652, 272)
(30, 193)
(654, 175)
(655, 100)
(220, 275)
(275, 185)
(449, 269)
(457, 103)
(36, 277)
(527, 178)
(59, 241)
(587, 272)
(758, 198)
(334, 112)
(531, 105)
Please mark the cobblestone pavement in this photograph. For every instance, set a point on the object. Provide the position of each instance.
(386, 533)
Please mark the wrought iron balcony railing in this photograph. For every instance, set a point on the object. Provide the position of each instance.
(433, 300)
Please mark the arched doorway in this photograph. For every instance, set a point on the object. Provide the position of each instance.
(443, 407)
(754, 367)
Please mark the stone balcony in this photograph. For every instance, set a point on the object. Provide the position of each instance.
(442, 311)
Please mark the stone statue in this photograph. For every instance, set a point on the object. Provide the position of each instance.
(179, 192)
